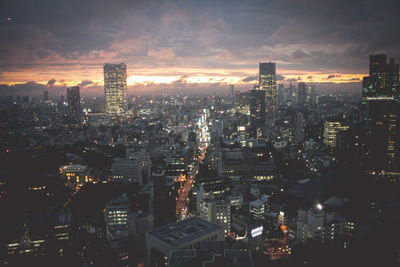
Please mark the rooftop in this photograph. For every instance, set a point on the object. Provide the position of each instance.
(184, 231)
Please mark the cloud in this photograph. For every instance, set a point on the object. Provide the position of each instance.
(84, 83)
(51, 82)
(279, 77)
(299, 55)
(71, 40)
(249, 79)
(29, 88)
(333, 76)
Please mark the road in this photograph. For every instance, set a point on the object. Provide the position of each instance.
(182, 202)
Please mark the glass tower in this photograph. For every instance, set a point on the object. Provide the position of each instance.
(267, 82)
(115, 89)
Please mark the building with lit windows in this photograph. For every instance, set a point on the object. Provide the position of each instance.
(383, 80)
(74, 100)
(257, 209)
(267, 83)
(115, 89)
(127, 171)
(75, 173)
(331, 129)
(320, 225)
(116, 218)
(216, 211)
(383, 129)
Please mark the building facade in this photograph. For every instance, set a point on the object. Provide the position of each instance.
(115, 89)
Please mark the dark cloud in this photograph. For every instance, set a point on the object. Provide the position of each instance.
(250, 79)
(299, 55)
(279, 77)
(51, 82)
(28, 88)
(332, 76)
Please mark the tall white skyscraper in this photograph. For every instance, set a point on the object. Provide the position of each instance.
(115, 89)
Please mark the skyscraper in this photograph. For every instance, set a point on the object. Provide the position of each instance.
(74, 99)
(383, 128)
(232, 93)
(301, 95)
(257, 108)
(46, 95)
(115, 89)
(267, 83)
(383, 80)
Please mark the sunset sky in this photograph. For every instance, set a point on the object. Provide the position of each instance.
(190, 46)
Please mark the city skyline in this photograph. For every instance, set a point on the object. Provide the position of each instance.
(185, 46)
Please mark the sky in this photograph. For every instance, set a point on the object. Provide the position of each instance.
(189, 46)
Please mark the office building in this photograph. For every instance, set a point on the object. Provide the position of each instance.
(116, 218)
(257, 209)
(115, 89)
(331, 128)
(74, 100)
(165, 195)
(183, 235)
(257, 109)
(383, 126)
(319, 225)
(45, 95)
(127, 171)
(216, 211)
(267, 83)
(299, 128)
(301, 95)
(383, 80)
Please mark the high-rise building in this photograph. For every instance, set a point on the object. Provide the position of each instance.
(232, 93)
(116, 219)
(267, 83)
(115, 89)
(216, 211)
(74, 100)
(46, 95)
(257, 108)
(331, 128)
(127, 171)
(165, 195)
(383, 80)
(143, 157)
(299, 128)
(301, 95)
(383, 128)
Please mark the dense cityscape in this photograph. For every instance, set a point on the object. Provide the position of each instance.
(276, 172)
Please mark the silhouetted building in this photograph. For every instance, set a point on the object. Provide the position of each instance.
(46, 95)
(74, 100)
(165, 194)
(383, 127)
(383, 80)
(267, 83)
(301, 95)
(257, 108)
